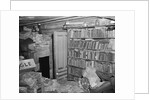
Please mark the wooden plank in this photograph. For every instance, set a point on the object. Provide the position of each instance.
(64, 76)
(62, 73)
(61, 70)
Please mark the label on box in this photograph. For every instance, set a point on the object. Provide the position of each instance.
(26, 64)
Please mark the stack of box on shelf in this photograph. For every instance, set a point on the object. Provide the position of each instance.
(90, 47)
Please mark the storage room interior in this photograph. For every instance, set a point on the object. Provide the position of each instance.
(66, 54)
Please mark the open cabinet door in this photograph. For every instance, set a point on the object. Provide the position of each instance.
(60, 54)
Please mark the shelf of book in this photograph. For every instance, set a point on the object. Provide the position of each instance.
(100, 45)
(73, 74)
(79, 75)
(90, 46)
(91, 60)
(75, 66)
(94, 38)
(93, 33)
(94, 50)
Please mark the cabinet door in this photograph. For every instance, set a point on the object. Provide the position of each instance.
(60, 52)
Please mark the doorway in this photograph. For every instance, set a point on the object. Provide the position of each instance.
(44, 66)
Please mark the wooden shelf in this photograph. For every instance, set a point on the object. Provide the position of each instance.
(93, 50)
(73, 75)
(91, 60)
(94, 38)
(104, 72)
(107, 73)
(82, 27)
(76, 66)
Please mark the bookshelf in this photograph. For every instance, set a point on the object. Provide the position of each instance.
(90, 46)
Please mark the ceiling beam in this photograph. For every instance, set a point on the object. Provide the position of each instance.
(59, 19)
(51, 20)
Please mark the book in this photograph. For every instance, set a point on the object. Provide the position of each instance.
(89, 33)
(96, 45)
(93, 55)
(85, 44)
(71, 33)
(97, 55)
(99, 46)
(82, 33)
(90, 45)
(93, 44)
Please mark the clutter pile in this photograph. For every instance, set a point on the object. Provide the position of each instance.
(63, 86)
(30, 82)
(33, 82)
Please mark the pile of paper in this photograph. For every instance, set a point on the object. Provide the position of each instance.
(90, 74)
